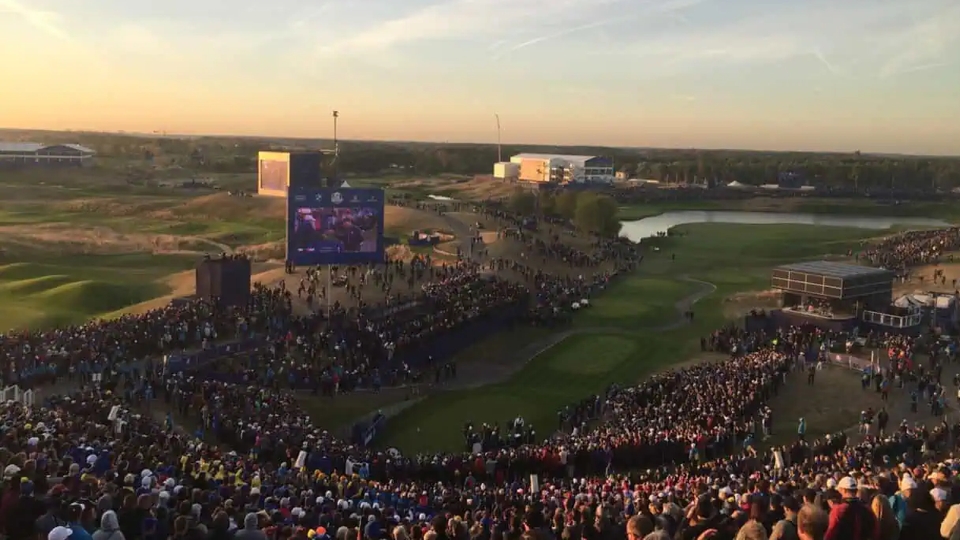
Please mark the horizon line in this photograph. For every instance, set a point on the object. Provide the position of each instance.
(143, 134)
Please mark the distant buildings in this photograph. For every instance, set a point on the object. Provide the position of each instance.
(37, 154)
(556, 169)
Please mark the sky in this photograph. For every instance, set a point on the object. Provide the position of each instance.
(836, 75)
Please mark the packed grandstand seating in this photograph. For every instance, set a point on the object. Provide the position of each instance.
(674, 457)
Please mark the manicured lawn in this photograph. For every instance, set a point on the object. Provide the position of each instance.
(73, 289)
(735, 258)
(638, 302)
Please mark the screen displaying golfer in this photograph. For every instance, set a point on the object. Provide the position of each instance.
(335, 230)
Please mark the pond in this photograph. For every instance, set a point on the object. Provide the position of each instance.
(647, 227)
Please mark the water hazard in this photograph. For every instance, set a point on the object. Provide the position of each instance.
(647, 227)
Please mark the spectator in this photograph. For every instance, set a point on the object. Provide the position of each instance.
(889, 528)
(786, 528)
(922, 519)
(109, 527)
(812, 523)
(850, 519)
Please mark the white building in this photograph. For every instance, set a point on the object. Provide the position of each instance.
(506, 170)
(563, 169)
(34, 154)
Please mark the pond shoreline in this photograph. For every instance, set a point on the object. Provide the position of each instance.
(651, 226)
(946, 211)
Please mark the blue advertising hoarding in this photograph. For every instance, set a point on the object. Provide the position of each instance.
(335, 226)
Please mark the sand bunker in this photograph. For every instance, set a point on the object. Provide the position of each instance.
(403, 220)
(489, 237)
(270, 251)
(481, 188)
(66, 238)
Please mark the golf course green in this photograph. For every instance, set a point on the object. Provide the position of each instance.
(622, 336)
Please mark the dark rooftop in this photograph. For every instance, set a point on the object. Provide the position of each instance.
(834, 269)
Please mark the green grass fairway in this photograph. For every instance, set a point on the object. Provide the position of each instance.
(639, 302)
(735, 258)
(74, 289)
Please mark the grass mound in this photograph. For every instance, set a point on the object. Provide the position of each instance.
(34, 285)
(20, 271)
(90, 296)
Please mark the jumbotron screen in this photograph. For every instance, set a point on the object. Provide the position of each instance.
(335, 226)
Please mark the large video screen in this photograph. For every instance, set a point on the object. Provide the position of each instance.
(335, 226)
(273, 174)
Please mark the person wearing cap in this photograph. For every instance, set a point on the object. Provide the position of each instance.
(60, 533)
(26, 511)
(851, 519)
(76, 513)
(898, 501)
(923, 520)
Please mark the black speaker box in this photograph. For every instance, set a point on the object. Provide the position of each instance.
(224, 280)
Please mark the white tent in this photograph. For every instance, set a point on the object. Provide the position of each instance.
(910, 300)
(735, 184)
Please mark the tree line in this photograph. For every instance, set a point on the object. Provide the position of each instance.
(587, 210)
(854, 170)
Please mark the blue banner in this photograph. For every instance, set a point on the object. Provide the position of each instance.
(335, 226)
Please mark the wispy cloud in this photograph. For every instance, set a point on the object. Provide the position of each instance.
(864, 34)
(818, 54)
(924, 45)
(547, 37)
(489, 19)
(45, 21)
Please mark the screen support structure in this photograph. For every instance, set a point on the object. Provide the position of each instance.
(336, 156)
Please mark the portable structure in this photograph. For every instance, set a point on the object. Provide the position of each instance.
(37, 154)
(564, 169)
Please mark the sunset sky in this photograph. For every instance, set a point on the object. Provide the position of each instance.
(874, 75)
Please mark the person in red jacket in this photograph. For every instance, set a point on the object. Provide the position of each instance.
(851, 519)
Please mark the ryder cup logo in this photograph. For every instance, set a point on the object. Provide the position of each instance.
(336, 198)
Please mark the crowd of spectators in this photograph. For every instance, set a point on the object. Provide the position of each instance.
(912, 248)
(674, 457)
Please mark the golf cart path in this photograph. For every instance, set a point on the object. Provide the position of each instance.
(476, 375)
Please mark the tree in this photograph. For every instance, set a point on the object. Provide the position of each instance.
(523, 202)
(597, 214)
(566, 204)
(548, 203)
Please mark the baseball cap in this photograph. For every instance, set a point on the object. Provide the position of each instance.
(59, 533)
(907, 482)
(847, 482)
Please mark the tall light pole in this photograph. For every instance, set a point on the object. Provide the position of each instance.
(336, 144)
(336, 154)
(499, 156)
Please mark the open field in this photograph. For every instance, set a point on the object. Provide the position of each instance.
(610, 345)
(82, 243)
